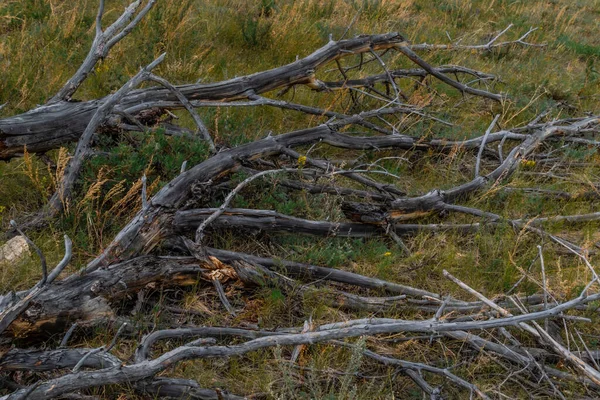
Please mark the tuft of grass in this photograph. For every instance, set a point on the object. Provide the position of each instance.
(579, 48)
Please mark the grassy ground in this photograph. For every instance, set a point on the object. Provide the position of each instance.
(42, 42)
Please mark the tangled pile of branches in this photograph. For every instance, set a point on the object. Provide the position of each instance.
(167, 242)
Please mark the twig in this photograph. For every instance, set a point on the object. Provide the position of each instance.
(544, 285)
(587, 350)
(219, 288)
(103, 349)
(406, 50)
(398, 241)
(103, 42)
(39, 252)
(229, 198)
(485, 136)
(78, 366)
(352, 22)
(114, 341)
(390, 77)
(440, 311)
(481, 297)
(188, 106)
(488, 302)
(486, 47)
(65, 339)
(513, 287)
(144, 193)
(420, 367)
(588, 370)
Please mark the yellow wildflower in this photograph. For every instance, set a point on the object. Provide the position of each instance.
(528, 163)
(301, 161)
(101, 67)
(387, 253)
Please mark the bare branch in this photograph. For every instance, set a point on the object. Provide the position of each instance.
(228, 199)
(485, 47)
(406, 50)
(588, 370)
(144, 192)
(188, 106)
(63, 193)
(222, 296)
(12, 310)
(39, 252)
(101, 45)
(485, 136)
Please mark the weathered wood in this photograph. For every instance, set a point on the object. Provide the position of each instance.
(407, 51)
(103, 42)
(147, 228)
(59, 359)
(271, 221)
(336, 190)
(63, 193)
(436, 200)
(261, 276)
(308, 271)
(100, 291)
(50, 126)
(11, 307)
(419, 367)
(406, 73)
(142, 352)
(49, 360)
(155, 222)
(87, 298)
(182, 389)
(145, 369)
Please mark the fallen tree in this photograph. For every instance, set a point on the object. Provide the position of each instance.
(167, 243)
(62, 120)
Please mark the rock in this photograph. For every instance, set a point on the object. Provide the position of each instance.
(13, 250)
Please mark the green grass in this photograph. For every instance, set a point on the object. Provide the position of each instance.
(42, 42)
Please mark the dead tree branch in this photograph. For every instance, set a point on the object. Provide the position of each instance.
(63, 194)
(103, 42)
(166, 244)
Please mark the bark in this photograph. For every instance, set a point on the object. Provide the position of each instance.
(258, 275)
(65, 187)
(11, 306)
(104, 289)
(436, 200)
(145, 369)
(88, 298)
(183, 389)
(147, 229)
(50, 126)
(49, 360)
